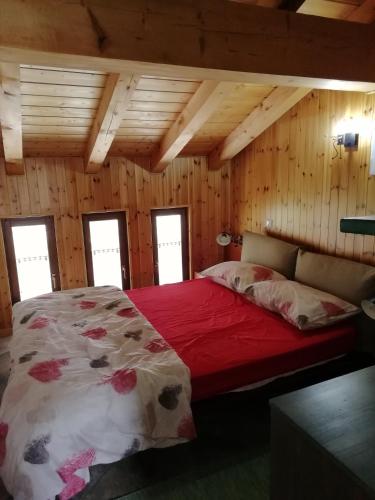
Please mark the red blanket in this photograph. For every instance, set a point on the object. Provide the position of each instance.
(228, 342)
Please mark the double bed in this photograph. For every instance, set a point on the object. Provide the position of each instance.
(227, 342)
(99, 374)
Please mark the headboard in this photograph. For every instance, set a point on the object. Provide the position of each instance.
(347, 279)
(270, 252)
(352, 281)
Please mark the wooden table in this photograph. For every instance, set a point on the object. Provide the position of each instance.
(323, 440)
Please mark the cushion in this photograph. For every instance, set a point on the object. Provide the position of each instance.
(352, 281)
(240, 275)
(304, 307)
(270, 252)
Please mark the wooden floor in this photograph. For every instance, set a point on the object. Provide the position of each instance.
(229, 460)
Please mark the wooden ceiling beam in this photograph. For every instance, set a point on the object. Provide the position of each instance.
(204, 40)
(278, 102)
(11, 118)
(115, 100)
(198, 110)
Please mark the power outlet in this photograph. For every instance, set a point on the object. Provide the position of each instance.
(269, 223)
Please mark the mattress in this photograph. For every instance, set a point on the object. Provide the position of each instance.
(227, 342)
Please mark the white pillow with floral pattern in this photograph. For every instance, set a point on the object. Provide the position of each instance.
(304, 307)
(238, 276)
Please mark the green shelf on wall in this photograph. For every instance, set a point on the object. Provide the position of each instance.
(358, 225)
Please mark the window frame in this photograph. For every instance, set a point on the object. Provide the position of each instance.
(7, 225)
(184, 213)
(121, 217)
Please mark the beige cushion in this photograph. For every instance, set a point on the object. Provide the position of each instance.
(349, 280)
(269, 252)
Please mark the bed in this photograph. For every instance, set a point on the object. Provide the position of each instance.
(228, 342)
(99, 374)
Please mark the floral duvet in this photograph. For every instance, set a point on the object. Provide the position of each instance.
(91, 382)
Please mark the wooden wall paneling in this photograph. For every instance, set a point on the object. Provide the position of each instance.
(5, 302)
(310, 165)
(368, 241)
(196, 229)
(361, 188)
(326, 103)
(190, 196)
(128, 186)
(306, 204)
(292, 166)
(318, 167)
(353, 170)
(338, 184)
(74, 222)
(300, 141)
(59, 187)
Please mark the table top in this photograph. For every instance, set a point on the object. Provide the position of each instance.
(339, 415)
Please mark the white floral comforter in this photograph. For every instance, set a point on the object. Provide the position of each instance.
(91, 382)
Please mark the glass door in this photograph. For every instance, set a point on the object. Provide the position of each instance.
(170, 245)
(30, 246)
(106, 248)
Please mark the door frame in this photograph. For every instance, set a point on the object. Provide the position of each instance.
(7, 224)
(121, 217)
(184, 213)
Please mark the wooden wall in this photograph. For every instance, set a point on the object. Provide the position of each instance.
(289, 174)
(59, 187)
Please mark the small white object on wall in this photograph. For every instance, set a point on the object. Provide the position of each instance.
(269, 223)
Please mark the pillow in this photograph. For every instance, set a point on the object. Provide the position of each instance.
(240, 275)
(302, 306)
(352, 281)
(270, 252)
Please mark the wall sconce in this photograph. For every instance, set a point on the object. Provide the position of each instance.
(224, 239)
(348, 140)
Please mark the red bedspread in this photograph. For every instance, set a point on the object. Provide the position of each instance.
(228, 342)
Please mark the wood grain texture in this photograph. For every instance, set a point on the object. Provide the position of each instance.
(201, 40)
(291, 175)
(11, 118)
(275, 105)
(113, 105)
(202, 105)
(59, 187)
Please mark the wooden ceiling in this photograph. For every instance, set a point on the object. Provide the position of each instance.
(59, 107)
(48, 111)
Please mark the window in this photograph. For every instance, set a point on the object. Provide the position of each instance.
(106, 248)
(30, 246)
(170, 245)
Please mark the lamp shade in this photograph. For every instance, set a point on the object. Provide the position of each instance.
(223, 239)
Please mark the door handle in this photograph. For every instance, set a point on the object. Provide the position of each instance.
(124, 273)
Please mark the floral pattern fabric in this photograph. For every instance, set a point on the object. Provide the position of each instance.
(304, 307)
(238, 276)
(91, 382)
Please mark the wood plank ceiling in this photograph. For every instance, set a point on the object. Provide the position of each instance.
(65, 112)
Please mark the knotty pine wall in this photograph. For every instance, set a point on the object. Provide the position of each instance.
(288, 175)
(59, 187)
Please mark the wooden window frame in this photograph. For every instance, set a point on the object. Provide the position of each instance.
(123, 240)
(184, 213)
(7, 225)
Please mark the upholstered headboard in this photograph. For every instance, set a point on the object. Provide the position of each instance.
(269, 252)
(352, 281)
